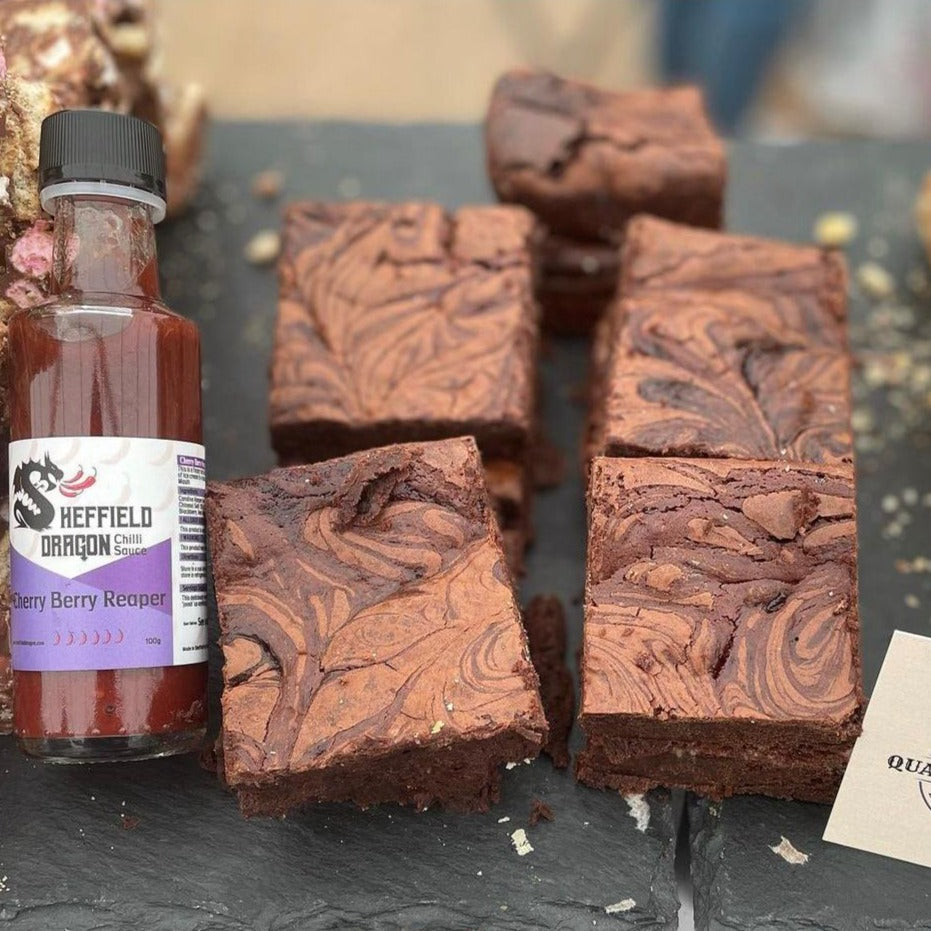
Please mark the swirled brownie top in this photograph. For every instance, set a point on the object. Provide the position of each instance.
(721, 590)
(403, 322)
(720, 374)
(367, 614)
(586, 159)
(805, 283)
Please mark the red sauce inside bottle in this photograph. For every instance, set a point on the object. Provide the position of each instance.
(106, 358)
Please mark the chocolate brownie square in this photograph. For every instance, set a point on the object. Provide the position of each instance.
(721, 634)
(807, 284)
(585, 160)
(373, 648)
(401, 322)
(722, 374)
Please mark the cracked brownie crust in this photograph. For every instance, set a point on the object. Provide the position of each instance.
(721, 374)
(373, 648)
(721, 613)
(585, 159)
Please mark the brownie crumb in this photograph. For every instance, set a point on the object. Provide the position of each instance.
(267, 185)
(540, 811)
(545, 622)
(549, 464)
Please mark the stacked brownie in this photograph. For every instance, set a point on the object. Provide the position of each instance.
(402, 322)
(585, 161)
(721, 637)
(373, 649)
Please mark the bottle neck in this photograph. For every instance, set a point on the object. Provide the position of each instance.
(104, 245)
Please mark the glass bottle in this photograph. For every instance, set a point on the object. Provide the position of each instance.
(106, 467)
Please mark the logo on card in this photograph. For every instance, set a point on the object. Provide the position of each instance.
(917, 767)
(33, 481)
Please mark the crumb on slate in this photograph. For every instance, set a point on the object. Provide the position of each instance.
(267, 185)
(912, 601)
(875, 281)
(639, 810)
(520, 842)
(540, 811)
(835, 228)
(263, 248)
(625, 905)
(909, 566)
(788, 852)
(349, 187)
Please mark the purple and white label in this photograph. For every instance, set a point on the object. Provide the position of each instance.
(107, 553)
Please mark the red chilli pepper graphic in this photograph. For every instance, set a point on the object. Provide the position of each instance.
(78, 483)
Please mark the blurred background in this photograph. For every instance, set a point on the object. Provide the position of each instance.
(771, 68)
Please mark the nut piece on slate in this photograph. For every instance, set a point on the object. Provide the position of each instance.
(835, 229)
(875, 281)
(263, 248)
(267, 185)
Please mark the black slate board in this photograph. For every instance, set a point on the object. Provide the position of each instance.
(182, 857)
(741, 883)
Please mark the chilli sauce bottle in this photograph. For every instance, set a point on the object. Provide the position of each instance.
(108, 577)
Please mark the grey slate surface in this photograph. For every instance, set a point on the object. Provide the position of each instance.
(740, 883)
(190, 862)
(183, 858)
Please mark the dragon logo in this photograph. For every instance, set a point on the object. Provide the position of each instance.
(33, 480)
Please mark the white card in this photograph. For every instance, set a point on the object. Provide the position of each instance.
(884, 802)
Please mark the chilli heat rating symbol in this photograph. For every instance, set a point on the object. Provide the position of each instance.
(81, 639)
(79, 482)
